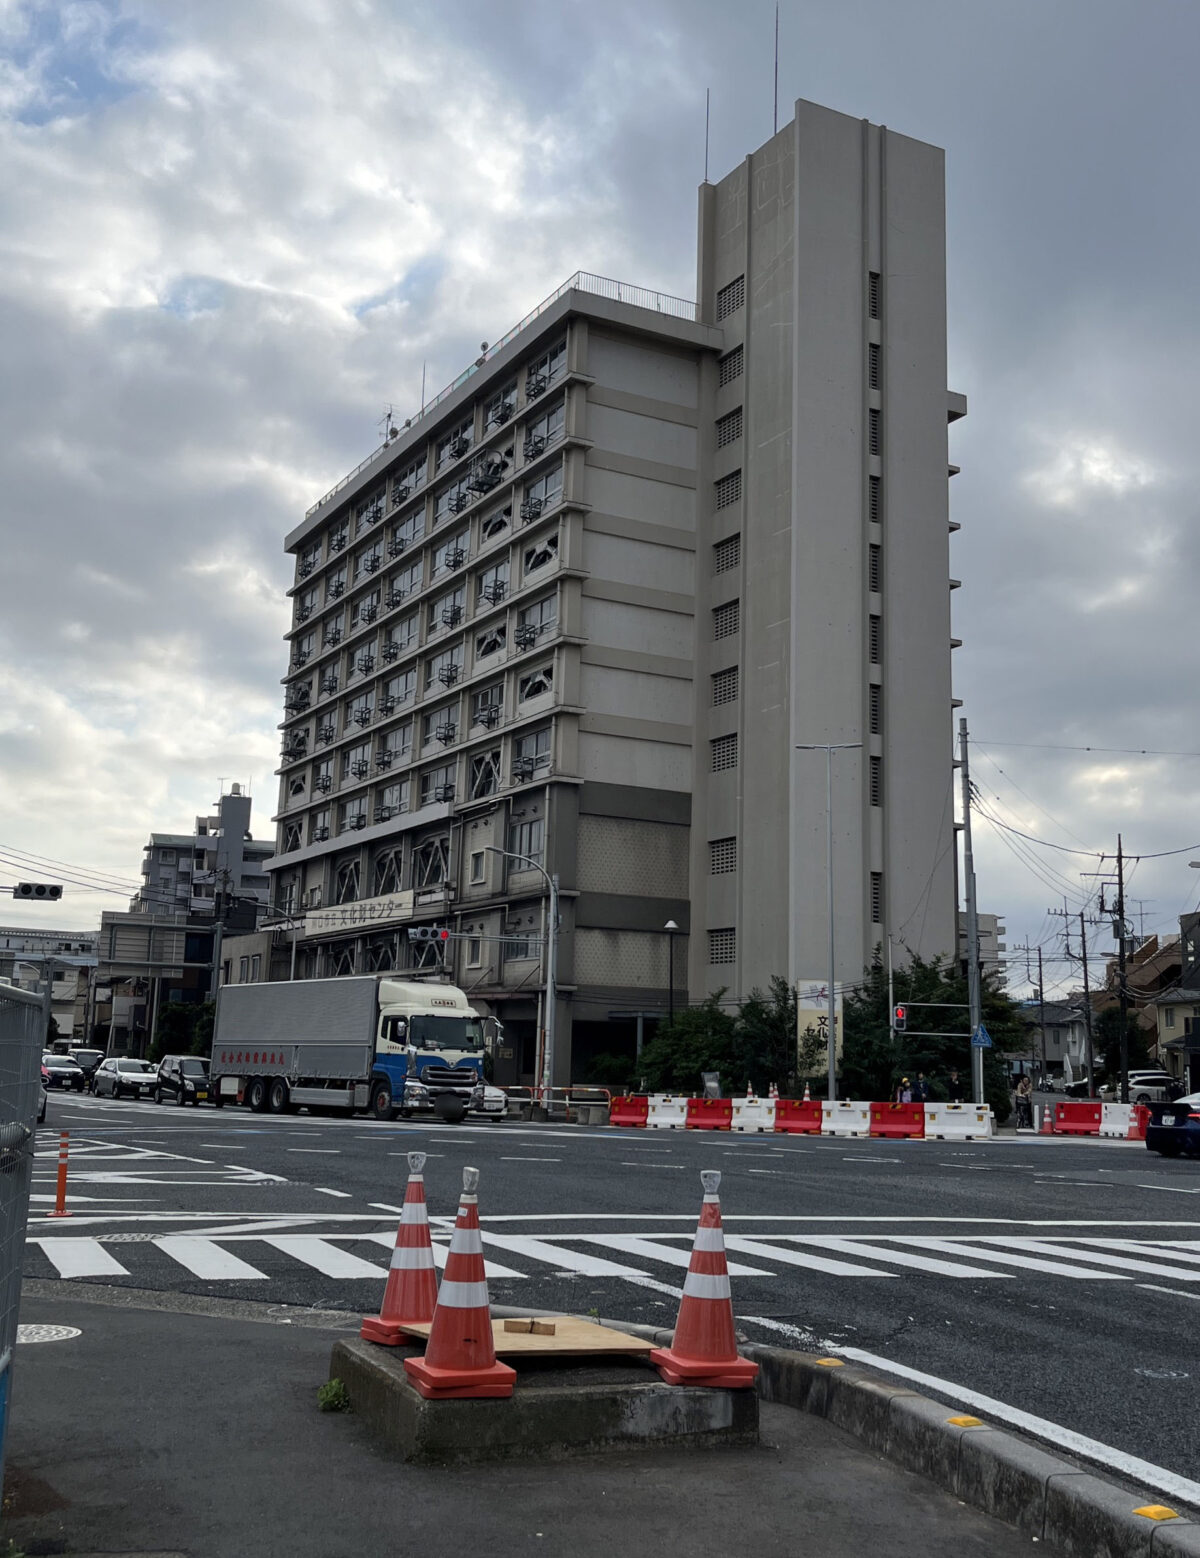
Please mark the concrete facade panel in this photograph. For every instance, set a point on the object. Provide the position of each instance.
(643, 437)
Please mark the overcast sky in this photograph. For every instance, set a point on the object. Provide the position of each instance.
(231, 233)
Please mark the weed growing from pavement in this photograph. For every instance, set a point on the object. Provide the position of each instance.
(333, 1397)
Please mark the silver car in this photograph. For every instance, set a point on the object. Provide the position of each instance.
(124, 1077)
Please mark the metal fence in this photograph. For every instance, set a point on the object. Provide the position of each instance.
(23, 1029)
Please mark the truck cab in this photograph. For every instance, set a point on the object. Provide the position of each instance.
(429, 1049)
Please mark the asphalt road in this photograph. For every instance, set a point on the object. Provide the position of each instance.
(1059, 1279)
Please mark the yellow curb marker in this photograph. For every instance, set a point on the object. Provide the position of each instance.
(966, 1422)
(832, 1363)
(1157, 1512)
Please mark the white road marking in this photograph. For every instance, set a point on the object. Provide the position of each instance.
(631, 1244)
(531, 1160)
(1178, 1190)
(80, 1257)
(1007, 1258)
(207, 1260)
(641, 1164)
(323, 1257)
(836, 1268)
(1144, 1472)
(1101, 1258)
(880, 1252)
(321, 1191)
(325, 1151)
(1176, 1292)
(559, 1258)
(441, 1253)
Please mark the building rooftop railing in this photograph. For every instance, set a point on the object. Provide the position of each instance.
(581, 281)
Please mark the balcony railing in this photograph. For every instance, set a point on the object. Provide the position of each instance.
(581, 281)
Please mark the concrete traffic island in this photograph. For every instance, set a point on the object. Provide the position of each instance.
(556, 1410)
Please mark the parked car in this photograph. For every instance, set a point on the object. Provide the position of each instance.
(89, 1059)
(1175, 1128)
(1145, 1087)
(488, 1102)
(124, 1077)
(1079, 1088)
(182, 1079)
(64, 1072)
(45, 1095)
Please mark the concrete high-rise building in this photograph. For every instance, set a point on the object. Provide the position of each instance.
(586, 605)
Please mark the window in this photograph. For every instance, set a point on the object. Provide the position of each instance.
(388, 866)
(352, 815)
(359, 710)
(474, 952)
(729, 489)
(543, 370)
(400, 689)
(527, 839)
(323, 775)
(544, 552)
(455, 444)
(724, 752)
(876, 709)
(725, 685)
(535, 683)
(722, 946)
(492, 584)
(345, 882)
(496, 523)
(876, 781)
(875, 568)
(452, 498)
(431, 862)
(318, 826)
(531, 752)
(515, 947)
(876, 897)
(291, 841)
(875, 639)
(403, 634)
(437, 784)
(404, 581)
(491, 641)
(1169, 1016)
(392, 800)
(729, 428)
(368, 512)
(499, 407)
(369, 561)
(405, 531)
(256, 966)
(730, 298)
(486, 704)
(875, 499)
(478, 866)
(168, 857)
(485, 774)
(243, 970)
(727, 619)
(874, 294)
(446, 611)
(451, 554)
(722, 856)
(296, 786)
(730, 367)
(727, 554)
(356, 761)
(542, 430)
(439, 726)
(407, 481)
(542, 493)
(875, 419)
(332, 629)
(445, 668)
(335, 583)
(874, 377)
(541, 616)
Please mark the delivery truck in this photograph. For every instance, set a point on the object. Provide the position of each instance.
(383, 1045)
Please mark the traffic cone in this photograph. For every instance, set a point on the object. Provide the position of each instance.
(1047, 1120)
(750, 1094)
(704, 1348)
(460, 1358)
(773, 1091)
(807, 1094)
(411, 1292)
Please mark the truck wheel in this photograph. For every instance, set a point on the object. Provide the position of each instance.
(381, 1101)
(277, 1096)
(218, 1102)
(256, 1095)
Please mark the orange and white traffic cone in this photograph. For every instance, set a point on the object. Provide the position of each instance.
(460, 1358)
(703, 1350)
(751, 1097)
(807, 1094)
(411, 1292)
(773, 1091)
(1047, 1120)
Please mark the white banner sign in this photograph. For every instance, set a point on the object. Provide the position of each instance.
(812, 1020)
(366, 914)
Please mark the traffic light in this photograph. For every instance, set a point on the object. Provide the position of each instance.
(900, 1019)
(426, 933)
(41, 892)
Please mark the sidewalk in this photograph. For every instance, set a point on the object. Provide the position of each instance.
(168, 1432)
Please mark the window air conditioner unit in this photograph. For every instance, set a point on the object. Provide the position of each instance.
(386, 705)
(303, 613)
(484, 480)
(371, 563)
(399, 494)
(325, 733)
(337, 543)
(358, 821)
(323, 783)
(366, 663)
(456, 502)
(459, 447)
(535, 444)
(531, 509)
(396, 545)
(362, 716)
(444, 792)
(383, 814)
(456, 557)
(390, 652)
(446, 733)
(301, 657)
(523, 767)
(526, 635)
(448, 675)
(368, 613)
(329, 684)
(334, 636)
(383, 758)
(489, 715)
(495, 591)
(452, 616)
(320, 834)
(335, 591)
(304, 569)
(502, 413)
(535, 385)
(360, 767)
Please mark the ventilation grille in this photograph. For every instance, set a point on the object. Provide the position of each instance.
(727, 554)
(722, 856)
(725, 686)
(724, 753)
(730, 367)
(731, 298)
(729, 489)
(722, 946)
(729, 428)
(727, 619)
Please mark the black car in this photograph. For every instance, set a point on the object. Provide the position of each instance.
(64, 1072)
(1174, 1128)
(88, 1060)
(182, 1079)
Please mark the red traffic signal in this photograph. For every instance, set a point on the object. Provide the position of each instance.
(900, 1019)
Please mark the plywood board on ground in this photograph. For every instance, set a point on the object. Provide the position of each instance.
(571, 1337)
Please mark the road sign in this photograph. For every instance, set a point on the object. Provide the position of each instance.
(981, 1038)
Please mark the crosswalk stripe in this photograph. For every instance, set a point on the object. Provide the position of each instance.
(206, 1259)
(559, 1257)
(323, 1256)
(940, 1268)
(1007, 1258)
(789, 1257)
(648, 1249)
(1121, 1262)
(81, 1258)
(441, 1252)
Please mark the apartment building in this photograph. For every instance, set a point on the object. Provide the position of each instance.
(184, 872)
(578, 615)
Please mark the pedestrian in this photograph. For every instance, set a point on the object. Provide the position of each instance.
(904, 1093)
(1025, 1103)
(955, 1088)
(921, 1090)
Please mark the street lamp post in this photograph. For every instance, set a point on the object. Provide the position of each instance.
(551, 881)
(829, 748)
(672, 931)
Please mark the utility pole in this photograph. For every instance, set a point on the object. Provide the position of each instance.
(1042, 1013)
(1087, 1007)
(1122, 993)
(973, 996)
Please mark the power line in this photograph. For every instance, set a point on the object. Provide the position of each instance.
(1056, 746)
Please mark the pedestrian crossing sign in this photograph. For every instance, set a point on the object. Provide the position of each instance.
(981, 1038)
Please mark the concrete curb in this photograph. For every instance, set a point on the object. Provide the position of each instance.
(1072, 1511)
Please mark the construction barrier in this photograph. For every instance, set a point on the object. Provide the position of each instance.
(797, 1117)
(1126, 1121)
(754, 1114)
(958, 1122)
(1078, 1119)
(709, 1114)
(845, 1119)
(666, 1112)
(899, 1121)
(629, 1111)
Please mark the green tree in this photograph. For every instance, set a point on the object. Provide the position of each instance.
(764, 1048)
(702, 1038)
(202, 1028)
(174, 1030)
(935, 990)
(1108, 1041)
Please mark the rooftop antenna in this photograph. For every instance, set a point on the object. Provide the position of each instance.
(707, 95)
(775, 131)
(422, 389)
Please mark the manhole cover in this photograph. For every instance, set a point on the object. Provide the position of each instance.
(125, 1238)
(47, 1333)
